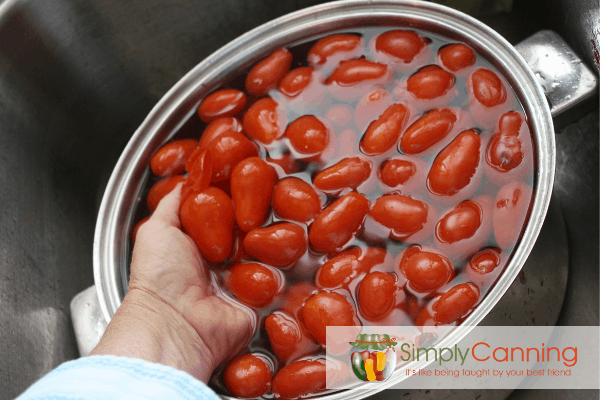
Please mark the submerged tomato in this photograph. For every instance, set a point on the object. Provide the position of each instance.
(208, 217)
(376, 294)
(199, 167)
(253, 284)
(296, 81)
(265, 120)
(455, 303)
(337, 224)
(427, 131)
(396, 172)
(333, 45)
(460, 223)
(348, 173)
(227, 151)
(288, 339)
(488, 89)
(300, 378)
(403, 214)
(383, 133)
(222, 103)
(252, 184)
(353, 72)
(218, 127)
(268, 73)
(430, 82)
(338, 269)
(426, 271)
(456, 56)
(170, 159)
(279, 245)
(296, 200)
(510, 211)
(327, 309)
(505, 149)
(162, 188)
(308, 135)
(401, 44)
(485, 261)
(247, 376)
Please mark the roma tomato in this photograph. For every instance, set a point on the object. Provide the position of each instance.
(456, 56)
(487, 87)
(222, 103)
(425, 271)
(268, 73)
(218, 127)
(455, 166)
(296, 200)
(339, 269)
(404, 215)
(279, 245)
(248, 376)
(288, 164)
(371, 106)
(300, 379)
(253, 284)
(401, 44)
(327, 309)
(308, 135)
(199, 167)
(483, 267)
(460, 223)
(455, 303)
(252, 184)
(208, 217)
(376, 295)
(427, 131)
(265, 120)
(510, 211)
(162, 188)
(504, 151)
(383, 133)
(170, 159)
(348, 173)
(338, 223)
(396, 172)
(295, 298)
(227, 151)
(338, 47)
(430, 82)
(296, 81)
(288, 339)
(360, 70)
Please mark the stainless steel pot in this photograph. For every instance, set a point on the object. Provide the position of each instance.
(566, 88)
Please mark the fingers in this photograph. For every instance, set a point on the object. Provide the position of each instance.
(167, 210)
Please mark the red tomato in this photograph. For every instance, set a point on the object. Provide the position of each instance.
(333, 45)
(253, 284)
(455, 303)
(485, 261)
(170, 159)
(252, 184)
(371, 106)
(279, 245)
(296, 81)
(268, 73)
(217, 127)
(222, 103)
(288, 163)
(396, 172)
(295, 298)
(300, 379)
(427, 131)
(348, 173)
(488, 89)
(401, 44)
(383, 133)
(337, 224)
(265, 120)
(426, 271)
(340, 115)
(227, 151)
(456, 164)
(137, 228)
(403, 214)
(199, 167)
(430, 82)
(376, 294)
(339, 269)
(327, 309)
(456, 56)
(208, 217)
(308, 135)
(374, 257)
(162, 188)
(510, 211)
(247, 376)
(460, 223)
(288, 339)
(296, 200)
(353, 72)
(504, 151)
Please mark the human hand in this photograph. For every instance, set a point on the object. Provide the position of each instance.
(171, 297)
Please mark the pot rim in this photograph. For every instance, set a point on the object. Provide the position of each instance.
(110, 250)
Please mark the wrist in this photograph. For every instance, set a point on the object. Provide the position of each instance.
(145, 327)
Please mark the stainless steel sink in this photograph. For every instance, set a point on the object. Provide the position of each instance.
(78, 77)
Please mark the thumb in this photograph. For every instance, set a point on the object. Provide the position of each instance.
(168, 207)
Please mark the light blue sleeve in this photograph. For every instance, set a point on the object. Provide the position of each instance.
(110, 377)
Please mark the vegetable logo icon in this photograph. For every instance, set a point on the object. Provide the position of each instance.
(373, 357)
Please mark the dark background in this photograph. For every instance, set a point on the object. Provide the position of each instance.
(78, 77)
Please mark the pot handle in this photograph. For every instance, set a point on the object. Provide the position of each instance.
(571, 87)
(88, 322)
